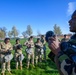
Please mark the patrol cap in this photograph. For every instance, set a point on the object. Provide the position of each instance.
(74, 14)
(49, 34)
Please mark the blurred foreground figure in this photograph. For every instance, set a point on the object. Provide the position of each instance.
(65, 52)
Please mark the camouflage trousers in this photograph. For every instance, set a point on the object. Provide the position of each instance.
(44, 54)
(30, 57)
(4, 65)
(38, 56)
(44, 48)
(18, 62)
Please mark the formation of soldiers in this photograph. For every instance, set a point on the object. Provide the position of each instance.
(34, 51)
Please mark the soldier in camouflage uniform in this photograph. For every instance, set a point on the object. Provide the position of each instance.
(30, 51)
(38, 50)
(18, 54)
(65, 39)
(5, 55)
(44, 46)
(65, 53)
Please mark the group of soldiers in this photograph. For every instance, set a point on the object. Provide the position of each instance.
(37, 53)
(34, 50)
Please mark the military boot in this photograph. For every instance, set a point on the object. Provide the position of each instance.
(27, 67)
(2, 74)
(20, 67)
(10, 72)
(16, 68)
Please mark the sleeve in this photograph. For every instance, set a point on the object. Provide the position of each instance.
(37, 46)
(41, 45)
(11, 47)
(1, 49)
(44, 42)
(25, 43)
(67, 66)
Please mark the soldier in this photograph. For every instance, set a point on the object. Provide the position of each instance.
(5, 55)
(18, 54)
(38, 50)
(65, 53)
(65, 39)
(44, 45)
(30, 51)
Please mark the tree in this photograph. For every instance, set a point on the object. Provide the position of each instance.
(24, 34)
(14, 32)
(2, 34)
(29, 30)
(57, 30)
(10, 34)
(4, 31)
(39, 33)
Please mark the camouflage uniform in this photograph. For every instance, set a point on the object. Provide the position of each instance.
(65, 53)
(38, 51)
(64, 39)
(67, 64)
(44, 45)
(30, 52)
(18, 55)
(3, 48)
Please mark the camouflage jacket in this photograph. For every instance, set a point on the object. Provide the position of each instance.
(67, 65)
(5, 47)
(38, 45)
(29, 44)
(17, 48)
(64, 40)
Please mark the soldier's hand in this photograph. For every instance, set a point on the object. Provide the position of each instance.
(3, 51)
(54, 45)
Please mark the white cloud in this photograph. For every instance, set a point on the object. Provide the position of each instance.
(71, 8)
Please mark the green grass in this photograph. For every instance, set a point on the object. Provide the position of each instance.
(44, 68)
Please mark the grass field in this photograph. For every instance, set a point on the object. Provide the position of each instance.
(44, 68)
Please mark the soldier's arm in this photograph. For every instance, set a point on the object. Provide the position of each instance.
(25, 43)
(32, 45)
(44, 42)
(41, 45)
(21, 47)
(11, 47)
(65, 62)
(36, 45)
(2, 49)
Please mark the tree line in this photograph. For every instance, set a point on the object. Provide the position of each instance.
(28, 32)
